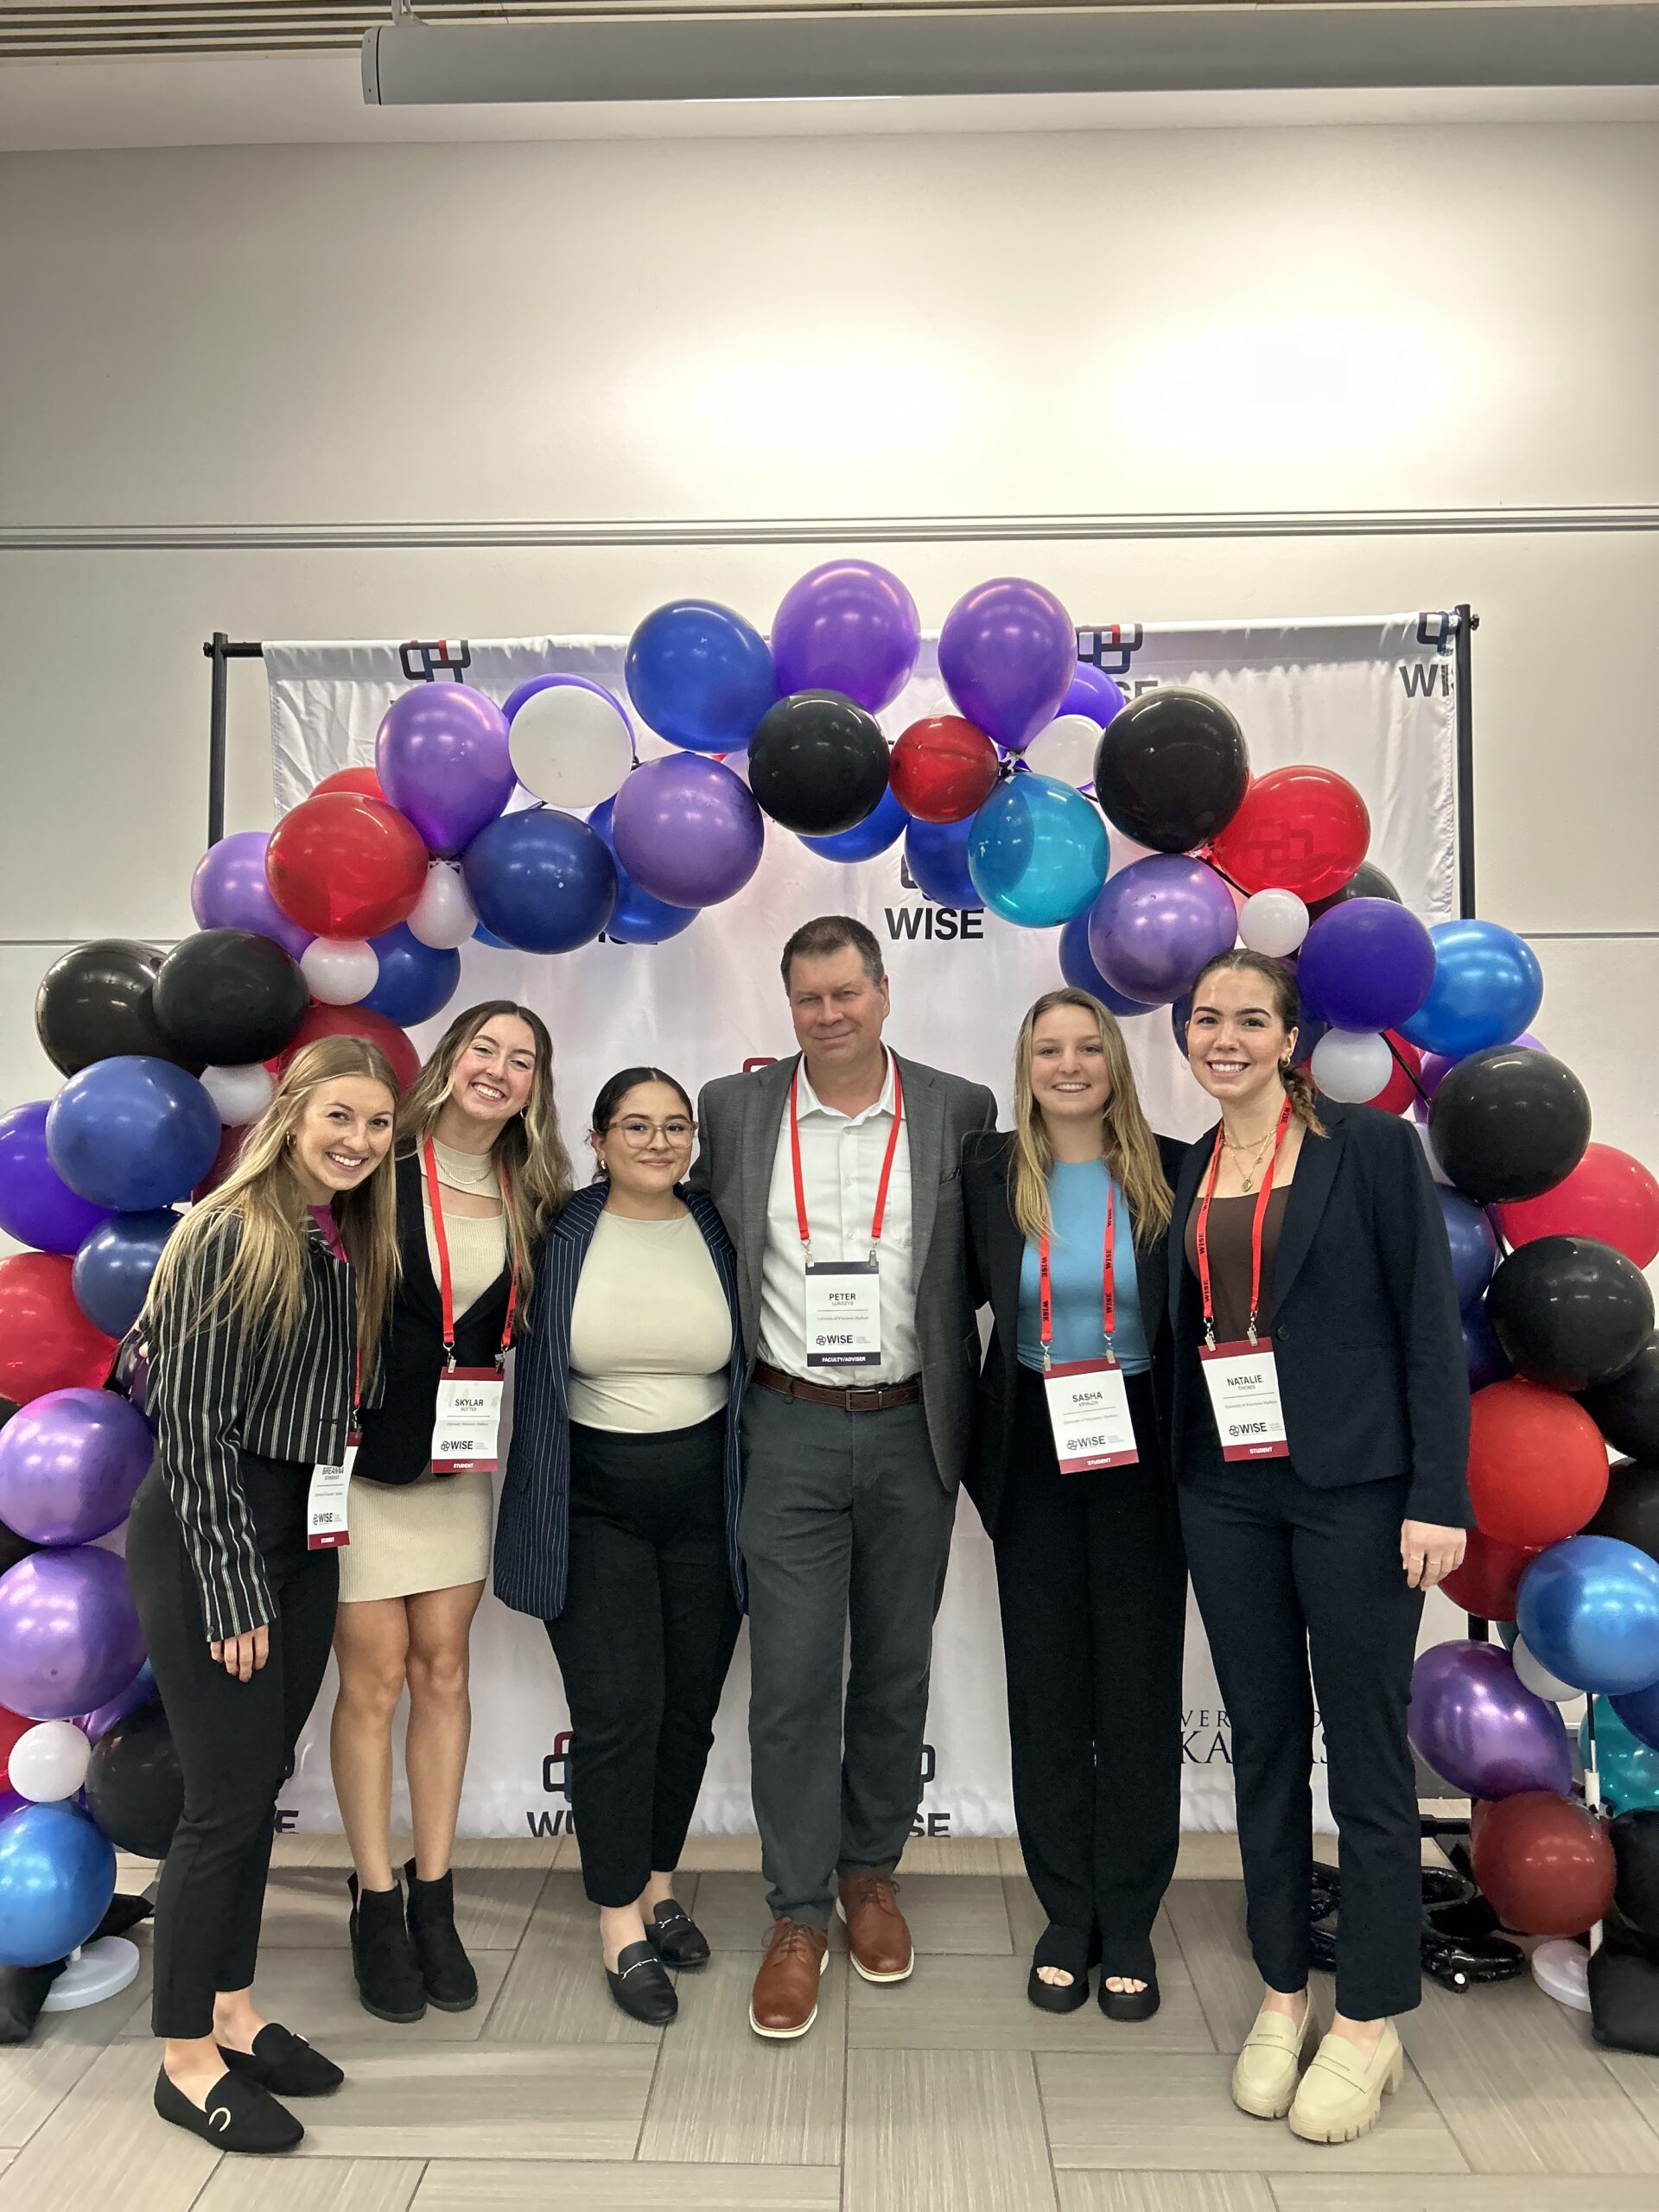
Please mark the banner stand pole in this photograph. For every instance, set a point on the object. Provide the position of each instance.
(219, 650)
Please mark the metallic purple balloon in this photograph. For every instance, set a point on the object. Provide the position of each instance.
(229, 892)
(1094, 694)
(36, 1205)
(847, 627)
(141, 1690)
(69, 1635)
(1477, 1725)
(1156, 923)
(1009, 654)
(70, 1462)
(687, 829)
(445, 760)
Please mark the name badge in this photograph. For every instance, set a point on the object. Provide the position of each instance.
(325, 1504)
(1088, 1413)
(844, 1314)
(1243, 1385)
(469, 1418)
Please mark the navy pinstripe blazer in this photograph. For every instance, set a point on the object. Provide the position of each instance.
(532, 1533)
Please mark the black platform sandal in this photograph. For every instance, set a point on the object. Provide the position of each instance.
(1067, 1950)
(1129, 1963)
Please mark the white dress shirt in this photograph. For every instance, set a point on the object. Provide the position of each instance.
(841, 1170)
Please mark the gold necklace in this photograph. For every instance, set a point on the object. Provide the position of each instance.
(1246, 1175)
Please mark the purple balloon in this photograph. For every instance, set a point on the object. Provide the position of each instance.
(141, 1690)
(847, 627)
(37, 1206)
(229, 891)
(1481, 1350)
(10, 1802)
(445, 760)
(69, 1633)
(1009, 655)
(1094, 694)
(687, 829)
(1157, 922)
(70, 1462)
(1477, 1725)
(1367, 963)
(1472, 1236)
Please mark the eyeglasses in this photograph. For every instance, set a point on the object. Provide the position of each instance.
(638, 1132)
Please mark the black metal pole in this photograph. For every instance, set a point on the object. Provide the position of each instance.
(221, 650)
(1463, 779)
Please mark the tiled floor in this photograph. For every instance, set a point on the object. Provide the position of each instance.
(946, 2094)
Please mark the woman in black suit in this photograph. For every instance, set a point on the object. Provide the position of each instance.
(1090, 1572)
(1307, 1247)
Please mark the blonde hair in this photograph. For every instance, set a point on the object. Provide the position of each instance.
(261, 1195)
(1287, 1002)
(1127, 1143)
(529, 1149)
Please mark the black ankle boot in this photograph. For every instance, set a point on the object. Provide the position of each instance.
(382, 1958)
(445, 1970)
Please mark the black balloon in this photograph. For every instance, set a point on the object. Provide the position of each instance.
(134, 1785)
(1569, 1312)
(1509, 1123)
(1629, 1512)
(228, 997)
(1367, 881)
(98, 1002)
(1171, 769)
(1626, 1410)
(818, 763)
(1635, 1839)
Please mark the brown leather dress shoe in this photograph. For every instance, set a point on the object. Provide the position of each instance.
(785, 2002)
(875, 1927)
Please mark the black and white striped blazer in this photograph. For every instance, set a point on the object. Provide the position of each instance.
(532, 1531)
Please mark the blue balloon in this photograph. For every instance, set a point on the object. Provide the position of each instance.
(637, 918)
(700, 675)
(936, 854)
(1639, 1711)
(132, 1133)
(57, 1876)
(114, 1266)
(1481, 1349)
(875, 833)
(489, 937)
(1488, 985)
(542, 879)
(1472, 1239)
(415, 981)
(1077, 966)
(1589, 1610)
(1626, 1764)
(1037, 851)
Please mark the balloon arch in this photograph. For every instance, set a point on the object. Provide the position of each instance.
(536, 825)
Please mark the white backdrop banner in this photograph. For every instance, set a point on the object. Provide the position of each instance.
(1374, 698)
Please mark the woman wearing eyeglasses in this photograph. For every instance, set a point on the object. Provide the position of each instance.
(618, 1526)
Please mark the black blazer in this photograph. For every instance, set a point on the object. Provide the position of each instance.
(398, 1435)
(995, 1250)
(1366, 1334)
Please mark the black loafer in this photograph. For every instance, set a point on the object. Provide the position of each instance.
(1068, 1950)
(640, 1987)
(675, 1937)
(284, 2063)
(240, 2115)
(1130, 2005)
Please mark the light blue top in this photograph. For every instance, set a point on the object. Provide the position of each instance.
(1077, 1204)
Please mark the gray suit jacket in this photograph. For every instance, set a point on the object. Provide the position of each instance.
(741, 1116)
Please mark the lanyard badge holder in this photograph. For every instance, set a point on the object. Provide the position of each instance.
(466, 1433)
(1088, 1405)
(1241, 1376)
(326, 1500)
(844, 1297)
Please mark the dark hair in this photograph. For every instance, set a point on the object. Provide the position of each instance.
(1287, 1002)
(629, 1079)
(833, 933)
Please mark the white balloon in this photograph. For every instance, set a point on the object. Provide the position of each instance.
(571, 744)
(444, 916)
(739, 764)
(1538, 1678)
(1350, 1065)
(1274, 922)
(49, 1761)
(340, 970)
(1065, 750)
(241, 1094)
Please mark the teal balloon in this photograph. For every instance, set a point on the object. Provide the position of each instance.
(1628, 1767)
(1037, 851)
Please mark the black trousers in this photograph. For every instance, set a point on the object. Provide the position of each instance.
(644, 1644)
(1286, 1574)
(1092, 1585)
(235, 1740)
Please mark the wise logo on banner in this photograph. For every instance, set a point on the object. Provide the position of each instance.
(443, 663)
(558, 1819)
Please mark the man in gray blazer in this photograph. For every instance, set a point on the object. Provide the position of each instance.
(837, 1175)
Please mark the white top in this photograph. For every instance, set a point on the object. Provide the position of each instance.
(651, 1333)
(841, 1169)
(478, 1242)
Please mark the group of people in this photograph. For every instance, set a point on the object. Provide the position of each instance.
(749, 1377)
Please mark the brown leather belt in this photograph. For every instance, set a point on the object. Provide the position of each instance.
(879, 1400)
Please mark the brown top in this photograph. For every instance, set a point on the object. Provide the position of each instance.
(1229, 1258)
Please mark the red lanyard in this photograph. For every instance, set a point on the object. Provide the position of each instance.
(887, 1165)
(329, 1228)
(445, 1285)
(1202, 1237)
(1108, 1290)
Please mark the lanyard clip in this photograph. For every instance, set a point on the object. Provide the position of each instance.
(449, 1359)
(1251, 1331)
(1210, 1336)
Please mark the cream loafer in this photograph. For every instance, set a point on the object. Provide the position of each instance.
(1342, 2091)
(1264, 2078)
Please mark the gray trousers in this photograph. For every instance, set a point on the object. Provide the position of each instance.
(845, 1523)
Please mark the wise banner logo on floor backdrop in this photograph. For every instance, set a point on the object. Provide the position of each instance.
(1374, 699)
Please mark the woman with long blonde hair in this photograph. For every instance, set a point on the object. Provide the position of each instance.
(481, 1171)
(262, 1327)
(1067, 1215)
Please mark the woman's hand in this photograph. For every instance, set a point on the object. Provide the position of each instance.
(1429, 1552)
(242, 1656)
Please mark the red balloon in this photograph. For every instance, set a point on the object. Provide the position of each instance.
(363, 780)
(354, 1022)
(1537, 1466)
(1544, 1864)
(344, 865)
(943, 769)
(1300, 830)
(12, 1725)
(1398, 1091)
(1486, 1584)
(46, 1341)
(1609, 1195)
